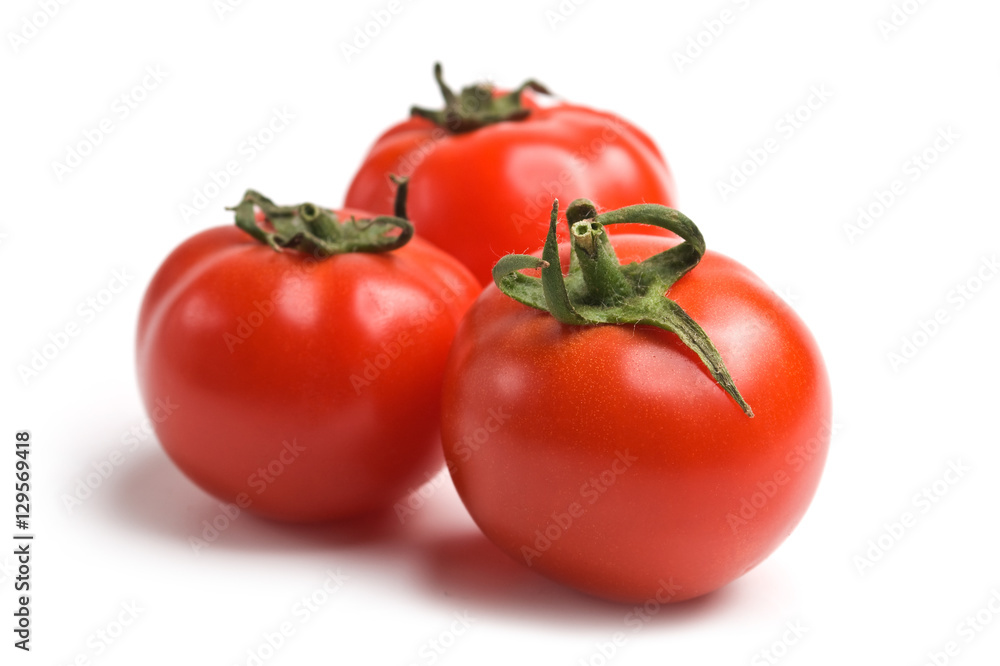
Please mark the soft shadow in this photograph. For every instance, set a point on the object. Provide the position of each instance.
(455, 563)
(151, 495)
(469, 568)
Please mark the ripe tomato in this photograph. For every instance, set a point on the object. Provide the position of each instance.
(607, 458)
(307, 385)
(490, 164)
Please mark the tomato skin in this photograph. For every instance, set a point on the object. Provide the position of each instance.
(612, 455)
(482, 194)
(265, 355)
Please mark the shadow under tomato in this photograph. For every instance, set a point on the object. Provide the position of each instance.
(439, 552)
(150, 494)
(471, 569)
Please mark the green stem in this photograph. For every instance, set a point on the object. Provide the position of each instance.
(599, 290)
(310, 228)
(554, 288)
(320, 222)
(476, 106)
(602, 273)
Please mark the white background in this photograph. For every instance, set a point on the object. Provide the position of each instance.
(898, 426)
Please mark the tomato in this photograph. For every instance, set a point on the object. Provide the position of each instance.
(607, 458)
(306, 382)
(483, 171)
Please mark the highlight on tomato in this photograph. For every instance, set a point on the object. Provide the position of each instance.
(490, 162)
(304, 349)
(651, 392)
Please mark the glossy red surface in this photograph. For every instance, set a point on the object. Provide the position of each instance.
(312, 388)
(607, 458)
(488, 192)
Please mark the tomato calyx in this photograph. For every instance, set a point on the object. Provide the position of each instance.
(476, 106)
(318, 231)
(599, 290)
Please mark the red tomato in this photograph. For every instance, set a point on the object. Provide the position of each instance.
(306, 389)
(478, 193)
(606, 457)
